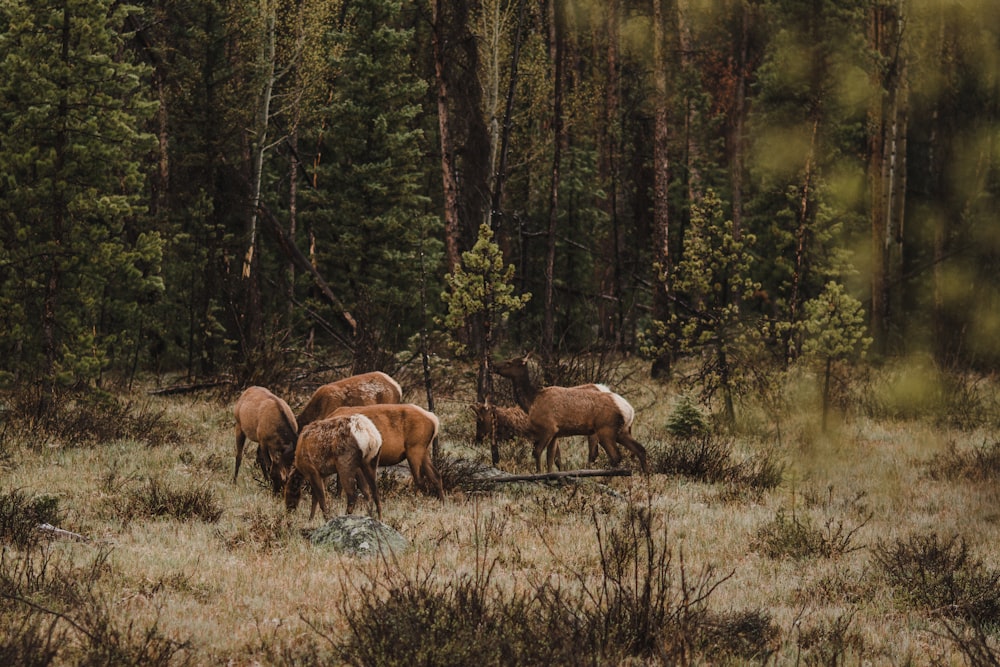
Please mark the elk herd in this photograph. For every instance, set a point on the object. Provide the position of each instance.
(351, 426)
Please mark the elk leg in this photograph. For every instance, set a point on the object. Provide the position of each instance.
(540, 444)
(318, 492)
(241, 441)
(594, 448)
(370, 470)
(347, 471)
(633, 446)
(608, 443)
(550, 454)
(433, 480)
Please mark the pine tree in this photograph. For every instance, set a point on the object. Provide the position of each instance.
(370, 216)
(76, 261)
(833, 331)
(480, 297)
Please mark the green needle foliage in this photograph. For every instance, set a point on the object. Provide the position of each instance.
(833, 330)
(481, 287)
(77, 259)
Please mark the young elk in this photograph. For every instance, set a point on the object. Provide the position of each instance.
(554, 412)
(364, 389)
(508, 423)
(348, 445)
(407, 432)
(267, 420)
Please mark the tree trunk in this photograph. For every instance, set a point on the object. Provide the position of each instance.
(610, 308)
(452, 223)
(251, 329)
(500, 176)
(800, 237)
(661, 182)
(886, 166)
(557, 47)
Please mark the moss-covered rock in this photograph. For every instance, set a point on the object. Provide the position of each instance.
(359, 535)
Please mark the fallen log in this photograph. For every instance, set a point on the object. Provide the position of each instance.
(563, 474)
(52, 531)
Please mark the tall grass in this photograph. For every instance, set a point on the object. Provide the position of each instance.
(735, 550)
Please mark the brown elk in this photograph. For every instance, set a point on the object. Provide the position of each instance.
(364, 389)
(407, 433)
(267, 420)
(554, 412)
(348, 445)
(508, 423)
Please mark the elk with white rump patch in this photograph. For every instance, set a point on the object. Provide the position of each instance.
(407, 433)
(348, 445)
(590, 410)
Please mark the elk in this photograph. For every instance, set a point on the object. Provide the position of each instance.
(364, 389)
(348, 445)
(267, 420)
(407, 432)
(553, 412)
(509, 422)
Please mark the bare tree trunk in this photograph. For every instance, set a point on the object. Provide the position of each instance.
(692, 113)
(293, 210)
(800, 233)
(452, 224)
(661, 182)
(738, 119)
(610, 309)
(886, 159)
(251, 325)
(556, 50)
(500, 176)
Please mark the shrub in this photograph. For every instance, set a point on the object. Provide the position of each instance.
(977, 464)
(940, 575)
(710, 460)
(51, 614)
(686, 420)
(828, 641)
(83, 419)
(642, 606)
(155, 498)
(20, 514)
(794, 537)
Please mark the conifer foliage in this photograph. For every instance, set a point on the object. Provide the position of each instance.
(77, 262)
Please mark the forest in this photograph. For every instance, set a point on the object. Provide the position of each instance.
(768, 226)
(215, 188)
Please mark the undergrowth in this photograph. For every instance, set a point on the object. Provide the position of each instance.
(82, 418)
(51, 613)
(643, 605)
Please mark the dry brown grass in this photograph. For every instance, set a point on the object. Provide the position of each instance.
(247, 588)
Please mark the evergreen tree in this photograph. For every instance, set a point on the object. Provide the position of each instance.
(833, 331)
(77, 263)
(713, 283)
(369, 215)
(480, 297)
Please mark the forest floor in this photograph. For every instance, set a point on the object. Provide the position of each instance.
(876, 544)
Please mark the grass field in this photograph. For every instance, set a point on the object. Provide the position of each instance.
(872, 543)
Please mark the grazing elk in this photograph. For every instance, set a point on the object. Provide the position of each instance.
(554, 412)
(364, 389)
(508, 423)
(348, 445)
(267, 420)
(407, 433)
